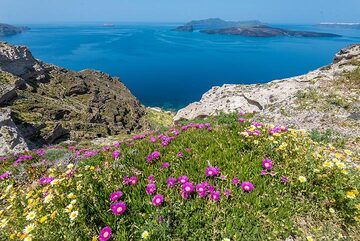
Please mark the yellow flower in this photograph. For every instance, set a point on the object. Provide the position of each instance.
(357, 206)
(43, 219)
(55, 182)
(328, 164)
(29, 228)
(331, 210)
(348, 152)
(28, 238)
(145, 235)
(68, 208)
(31, 216)
(351, 194)
(340, 165)
(70, 166)
(73, 215)
(71, 195)
(73, 201)
(302, 179)
(309, 238)
(94, 238)
(48, 198)
(3, 223)
(53, 214)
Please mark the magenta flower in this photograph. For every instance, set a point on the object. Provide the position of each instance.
(188, 187)
(158, 199)
(212, 171)
(152, 139)
(267, 164)
(171, 182)
(185, 195)
(241, 120)
(115, 196)
(263, 172)
(247, 186)
(133, 180)
(180, 154)
(117, 144)
(116, 154)
(183, 179)
(227, 192)
(284, 179)
(44, 180)
(187, 149)
(105, 234)
(156, 155)
(151, 179)
(200, 187)
(118, 208)
(150, 188)
(5, 175)
(215, 196)
(126, 180)
(165, 165)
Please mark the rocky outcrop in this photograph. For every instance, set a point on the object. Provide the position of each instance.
(58, 104)
(11, 140)
(8, 86)
(265, 31)
(6, 29)
(244, 28)
(322, 99)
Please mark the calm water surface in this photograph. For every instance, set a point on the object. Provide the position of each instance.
(171, 69)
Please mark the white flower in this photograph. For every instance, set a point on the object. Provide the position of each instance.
(29, 228)
(73, 215)
(31, 215)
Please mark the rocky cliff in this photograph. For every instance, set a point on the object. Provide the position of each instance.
(327, 98)
(6, 29)
(49, 103)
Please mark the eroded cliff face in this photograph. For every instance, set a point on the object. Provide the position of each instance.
(327, 98)
(49, 103)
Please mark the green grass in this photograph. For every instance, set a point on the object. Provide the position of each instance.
(319, 208)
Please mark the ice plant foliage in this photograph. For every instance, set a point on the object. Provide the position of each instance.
(171, 183)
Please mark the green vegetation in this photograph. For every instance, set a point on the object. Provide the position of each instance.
(309, 192)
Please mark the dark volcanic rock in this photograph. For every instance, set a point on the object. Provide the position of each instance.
(58, 103)
(6, 29)
(265, 31)
(185, 28)
(244, 28)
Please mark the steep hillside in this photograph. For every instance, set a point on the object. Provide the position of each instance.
(50, 103)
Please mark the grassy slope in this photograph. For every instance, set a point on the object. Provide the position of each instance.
(321, 207)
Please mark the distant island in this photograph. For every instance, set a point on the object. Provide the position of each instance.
(251, 28)
(7, 29)
(340, 25)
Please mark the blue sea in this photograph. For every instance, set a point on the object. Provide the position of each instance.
(171, 69)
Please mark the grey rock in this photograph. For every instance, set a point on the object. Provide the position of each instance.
(11, 140)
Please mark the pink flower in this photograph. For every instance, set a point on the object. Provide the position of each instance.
(115, 196)
(165, 165)
(171, 182)
(150, 188)
(180, 154)
(215, 196)
(183, 179)
(212, 171)
(247, 186)
(118, 208)
(158, 199)
(188, 187)
(241, 120)
(116, 154)
(44, 180)
(227, 192)
(187, 149)
(267, 164)
(235, 181)
(5, 175)
(152, 139)
(133, 180)
(151, 179)
(105, 234)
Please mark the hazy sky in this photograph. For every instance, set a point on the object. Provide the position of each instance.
(273, 11)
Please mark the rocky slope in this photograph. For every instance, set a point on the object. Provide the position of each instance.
(327, 98)
(6, 29)
(49, 103)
